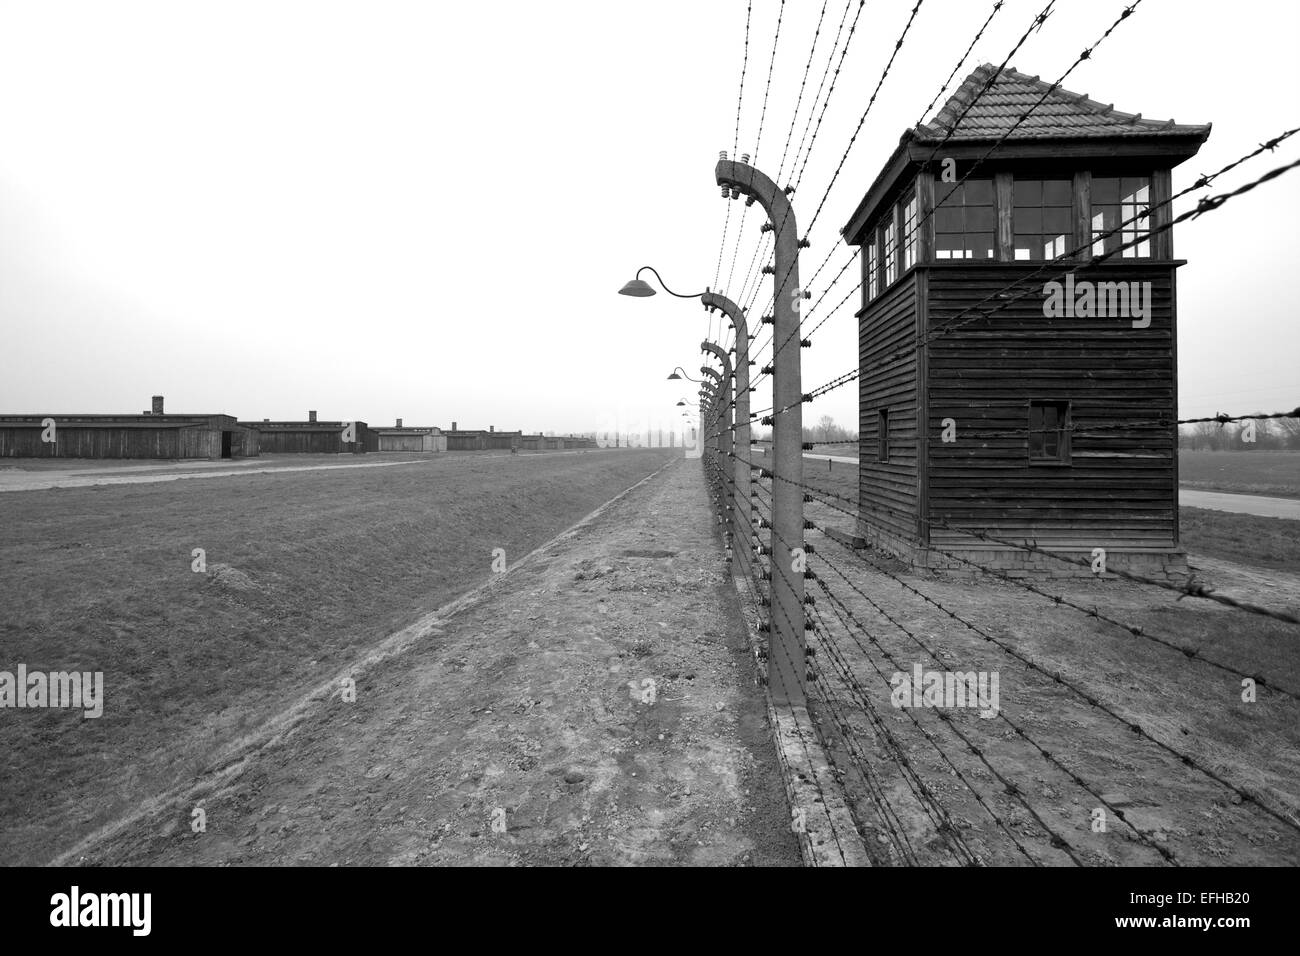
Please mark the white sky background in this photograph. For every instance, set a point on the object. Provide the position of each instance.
(380, 209)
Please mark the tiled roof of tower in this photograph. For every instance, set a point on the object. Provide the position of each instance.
(1062, 115)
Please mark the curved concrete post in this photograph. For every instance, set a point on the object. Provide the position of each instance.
(709, 397)
(787, 667)
(726, 436)
(711, 430)
(740, 431)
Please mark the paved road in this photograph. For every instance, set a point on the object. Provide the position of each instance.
(1241, 504)
(19, 480)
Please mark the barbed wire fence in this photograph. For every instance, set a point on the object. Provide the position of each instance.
(869, 619)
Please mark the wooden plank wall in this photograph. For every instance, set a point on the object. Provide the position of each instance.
(403, 442)
(1120, 488)
(887, 492)
(284, 441)
(245, 443)
(125, 442)
(466, 442)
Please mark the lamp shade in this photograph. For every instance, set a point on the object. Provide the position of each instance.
(674, 377)
(638, 288)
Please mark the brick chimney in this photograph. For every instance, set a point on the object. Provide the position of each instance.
(454, 428)
(157, 405)
(399, 423)
(311, 416)
(492, 428)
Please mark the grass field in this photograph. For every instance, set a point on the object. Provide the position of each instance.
(1272, 473)
(304, 571)
(1246, 539)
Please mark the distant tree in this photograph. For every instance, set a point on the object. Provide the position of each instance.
(1288, 433)
(827, 431)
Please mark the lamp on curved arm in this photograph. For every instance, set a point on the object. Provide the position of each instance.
(674, 377)
(641, 289)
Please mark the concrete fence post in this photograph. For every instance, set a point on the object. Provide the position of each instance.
(726, 437)
(715, 442)
(740, 484)
(787, 668)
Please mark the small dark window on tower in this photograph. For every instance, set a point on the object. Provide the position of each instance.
(1049, 432)
(889, 245)
(907, 216)
(871, 267)
(882, 434)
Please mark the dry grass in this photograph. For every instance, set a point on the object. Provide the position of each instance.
(1246, 539)
(1274, 473)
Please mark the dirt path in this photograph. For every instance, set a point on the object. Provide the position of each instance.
(595, 702)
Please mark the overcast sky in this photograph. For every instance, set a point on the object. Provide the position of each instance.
(380, 209)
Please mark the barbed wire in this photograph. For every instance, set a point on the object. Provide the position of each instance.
(929, 803)
(841, 611)
(758, 139)
(934, 808)
(771, 63)
(1283, 816)
(975, 314)
(803, 83)
(1072, 429)
(907, 240)
(1192, 588)
(740, 97)
(1134, 629)
(744, 67)
(1035, 24)
(717, 273)
(1189, 589)
(960, 63)
(1200, 183)
(764, 239)
(1094, 701)
(797, 667)
(898, 45)
(749, 550)
(1057, 839)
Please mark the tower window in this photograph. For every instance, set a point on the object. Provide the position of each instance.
(889, 242)
(907, 216)
(1041, 211)
(1116, 200)
(964, 222)
(871, 267)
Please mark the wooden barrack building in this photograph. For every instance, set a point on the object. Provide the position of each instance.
(151, 434)
(314, 437)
